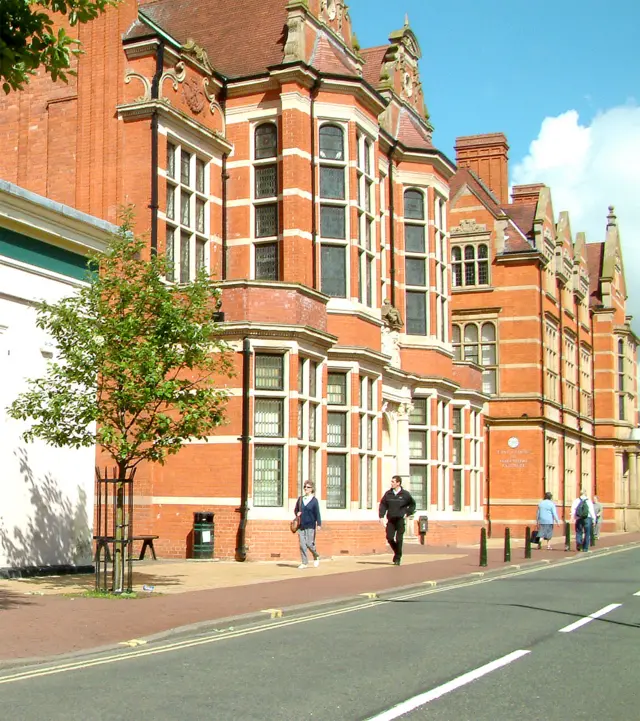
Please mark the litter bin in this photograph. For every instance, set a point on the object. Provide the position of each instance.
(203, 535)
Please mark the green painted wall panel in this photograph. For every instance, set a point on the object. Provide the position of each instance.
(42, 255)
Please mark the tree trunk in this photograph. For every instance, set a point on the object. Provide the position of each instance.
(121, 537)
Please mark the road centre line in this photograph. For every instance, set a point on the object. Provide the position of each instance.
(466, 678)
(179, 645)
(589, 618)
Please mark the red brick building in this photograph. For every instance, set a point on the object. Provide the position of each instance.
(543, 312)
(259, 140)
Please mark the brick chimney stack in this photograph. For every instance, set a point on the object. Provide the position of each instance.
(487, 156)
(526, 193)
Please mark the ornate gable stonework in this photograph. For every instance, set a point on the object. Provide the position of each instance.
(469, 226)
(400, 68)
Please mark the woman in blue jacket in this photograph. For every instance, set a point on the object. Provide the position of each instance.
(547, 516)
(308, 511)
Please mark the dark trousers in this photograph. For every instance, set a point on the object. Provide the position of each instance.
(395, 534)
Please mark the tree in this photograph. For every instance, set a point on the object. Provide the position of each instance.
(29, 40)
(137, 364)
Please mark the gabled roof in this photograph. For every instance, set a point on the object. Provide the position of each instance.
(595, 257)
(464, 176)
(523, 215)
(515, 241)
(411, 133)
(241, 38)
(328, 58)
(372, 67)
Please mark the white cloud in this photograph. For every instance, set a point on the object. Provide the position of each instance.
(588, 168)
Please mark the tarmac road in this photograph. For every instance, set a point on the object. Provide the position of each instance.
(519, 646)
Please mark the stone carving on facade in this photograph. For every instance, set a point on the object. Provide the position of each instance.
(294, 47)
(391, 316)
(194, 95)
(199, 53)
(468, 226)
(177, 76)
(214, 105)
(334, 13)
(130, 75)
(391, 345)
(404, 411)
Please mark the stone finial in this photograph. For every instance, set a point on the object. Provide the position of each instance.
(612, 221)
(406, 20)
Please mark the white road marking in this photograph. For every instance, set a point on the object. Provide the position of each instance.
(66, 667)
(425, 698)
(589, 618)
(637, 594)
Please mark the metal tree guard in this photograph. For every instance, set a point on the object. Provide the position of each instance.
(114, 531)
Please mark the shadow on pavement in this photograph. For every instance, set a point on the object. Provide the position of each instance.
(9, 600)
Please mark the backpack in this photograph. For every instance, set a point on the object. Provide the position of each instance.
(582, 510)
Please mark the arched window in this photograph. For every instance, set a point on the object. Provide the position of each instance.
(266, 141)
(332, 143)
(455, 339)
(488, 357)
(477, 343)
(416, 262)
(456, 266)
(333, 211)
(366, 229)
(476, 265)
(265, 193)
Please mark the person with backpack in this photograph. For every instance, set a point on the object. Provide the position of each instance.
(584, 515)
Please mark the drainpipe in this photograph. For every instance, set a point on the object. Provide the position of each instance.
(392, 230)
(314, 221)
(241, 548)
(579, 383)
(542, 402)
(155, 94)
(488, 478)
(224, 178)
(562, 416)
(594, 464)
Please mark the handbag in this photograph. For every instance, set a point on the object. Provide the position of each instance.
(295, 523)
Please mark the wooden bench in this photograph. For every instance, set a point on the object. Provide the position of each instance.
(104, 542)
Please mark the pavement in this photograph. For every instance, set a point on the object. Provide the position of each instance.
(52, 616)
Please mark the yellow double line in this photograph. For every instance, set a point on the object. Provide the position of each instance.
(226, 635)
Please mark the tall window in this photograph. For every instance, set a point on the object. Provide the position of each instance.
(586, 401)
(333, 211)
(470, 265)
(476, 460)
(419, 452)
(269, 430)
(366, 222)
(187, 213)
(552, 365)
(367, 440)
(265, 202)
(442, 459)
(416, 262)
(308, 422)
(477, 343)
(551, 466)
(338, 440)
(457, 461)
(621, 380)
(570, 373)
(440, 269)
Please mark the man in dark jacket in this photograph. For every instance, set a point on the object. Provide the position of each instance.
(395, 505)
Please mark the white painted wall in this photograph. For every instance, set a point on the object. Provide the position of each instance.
(46, 493)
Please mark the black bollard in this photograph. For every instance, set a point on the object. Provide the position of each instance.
(527, 542)
(483, 547)
(507, 545)
(567, 536)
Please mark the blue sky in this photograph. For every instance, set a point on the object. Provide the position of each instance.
(561, 79)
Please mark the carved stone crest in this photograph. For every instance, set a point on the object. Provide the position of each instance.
(193, 95)
(468, 226)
